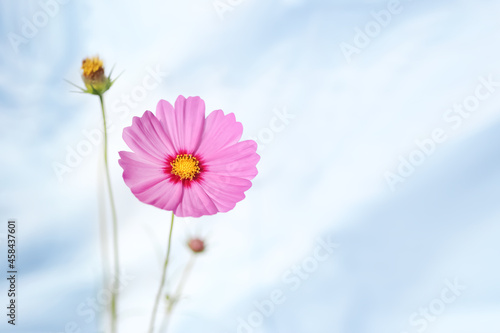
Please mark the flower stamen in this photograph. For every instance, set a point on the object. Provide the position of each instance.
(185, 166)
(92, 67)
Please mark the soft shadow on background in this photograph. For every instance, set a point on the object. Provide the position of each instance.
(385, 144)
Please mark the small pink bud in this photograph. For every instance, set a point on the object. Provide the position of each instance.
(196, 245)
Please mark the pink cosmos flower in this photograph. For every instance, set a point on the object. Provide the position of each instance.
(185, 163)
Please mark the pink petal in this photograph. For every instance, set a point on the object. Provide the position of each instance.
(147, 138)
(220, 131)
(164, 195)
(149, 183)
(195, 202)
(225, 191)
(184, 124)
(238, 160)
(136, 168)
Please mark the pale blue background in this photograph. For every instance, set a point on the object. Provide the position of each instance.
(321, 176)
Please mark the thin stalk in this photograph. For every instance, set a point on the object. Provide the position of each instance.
(182, 282)
(177, 295)
(163, 278)
(115, 287)
(103, 233)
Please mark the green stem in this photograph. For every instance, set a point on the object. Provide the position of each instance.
(163, 278)
(115, 287)
(177, 295)
(103, 233)
(182, 282)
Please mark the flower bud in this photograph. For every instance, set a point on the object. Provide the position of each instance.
(196, 245)
(93, 76)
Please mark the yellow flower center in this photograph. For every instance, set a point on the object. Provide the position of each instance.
(91, 66)
(185, 166)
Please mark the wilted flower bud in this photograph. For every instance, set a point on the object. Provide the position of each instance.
(93, 76)
(196, 245)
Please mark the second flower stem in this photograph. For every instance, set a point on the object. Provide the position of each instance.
(185, 274)
(163, 278)
(115, 286)
(177, 295)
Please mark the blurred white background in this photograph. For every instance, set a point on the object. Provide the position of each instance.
(336, 93)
